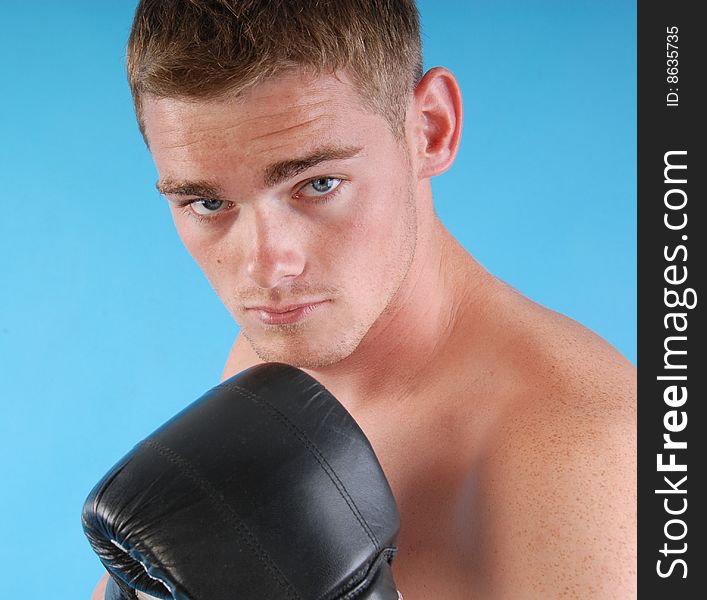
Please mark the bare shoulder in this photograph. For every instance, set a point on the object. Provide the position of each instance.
(241, 357)
(557, 476)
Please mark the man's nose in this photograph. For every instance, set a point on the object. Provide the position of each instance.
(276, 252)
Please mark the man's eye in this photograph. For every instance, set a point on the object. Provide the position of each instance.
(319, 186)
(207, 206)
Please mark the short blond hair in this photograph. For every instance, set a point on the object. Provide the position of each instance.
(203, 49)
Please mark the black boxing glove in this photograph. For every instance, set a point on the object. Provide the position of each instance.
(264, 488)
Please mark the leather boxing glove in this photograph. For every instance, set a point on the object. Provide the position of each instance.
(264, 488)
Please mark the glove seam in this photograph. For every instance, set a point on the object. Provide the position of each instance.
(226, 510)
(319, 457)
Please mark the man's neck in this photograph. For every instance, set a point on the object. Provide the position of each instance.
(412, 337)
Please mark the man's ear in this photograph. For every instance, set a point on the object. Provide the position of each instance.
(437, 102)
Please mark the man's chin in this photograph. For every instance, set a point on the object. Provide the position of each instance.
(301, 354)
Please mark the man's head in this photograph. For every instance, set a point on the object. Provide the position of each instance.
(300, 194)
(201, 49)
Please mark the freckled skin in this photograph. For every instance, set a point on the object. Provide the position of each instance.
(353, 251)
(507, 431)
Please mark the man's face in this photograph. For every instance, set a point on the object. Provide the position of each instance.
(298, 204)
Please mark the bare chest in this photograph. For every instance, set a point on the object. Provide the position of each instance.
(434, 560)
(429, 450)
(434, 494)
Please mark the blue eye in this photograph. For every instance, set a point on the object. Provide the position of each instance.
(207, 206)
(320, 186)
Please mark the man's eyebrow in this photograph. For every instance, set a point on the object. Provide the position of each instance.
(203, 189)
(274, 174)
(283, 170)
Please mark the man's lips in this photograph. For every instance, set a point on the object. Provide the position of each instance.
(284, 314)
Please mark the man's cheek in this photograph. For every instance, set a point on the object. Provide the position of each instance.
(223, 273)
(205, 250)
(187, 235)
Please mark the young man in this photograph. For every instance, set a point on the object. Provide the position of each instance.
(295, 142)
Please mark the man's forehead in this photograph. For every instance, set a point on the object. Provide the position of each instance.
(282, 105)
(171, 124)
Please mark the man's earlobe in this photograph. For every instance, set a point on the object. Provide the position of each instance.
(438, 105)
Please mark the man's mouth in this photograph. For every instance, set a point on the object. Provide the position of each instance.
(284, 314)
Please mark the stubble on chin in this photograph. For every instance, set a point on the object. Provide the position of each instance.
(291, 344)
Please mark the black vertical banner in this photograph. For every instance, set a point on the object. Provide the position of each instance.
(672, 354)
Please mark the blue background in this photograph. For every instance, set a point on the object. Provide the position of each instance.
(107, 328)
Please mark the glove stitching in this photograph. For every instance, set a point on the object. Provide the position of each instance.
(227, 511)
(359, 576)
(302, 436)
